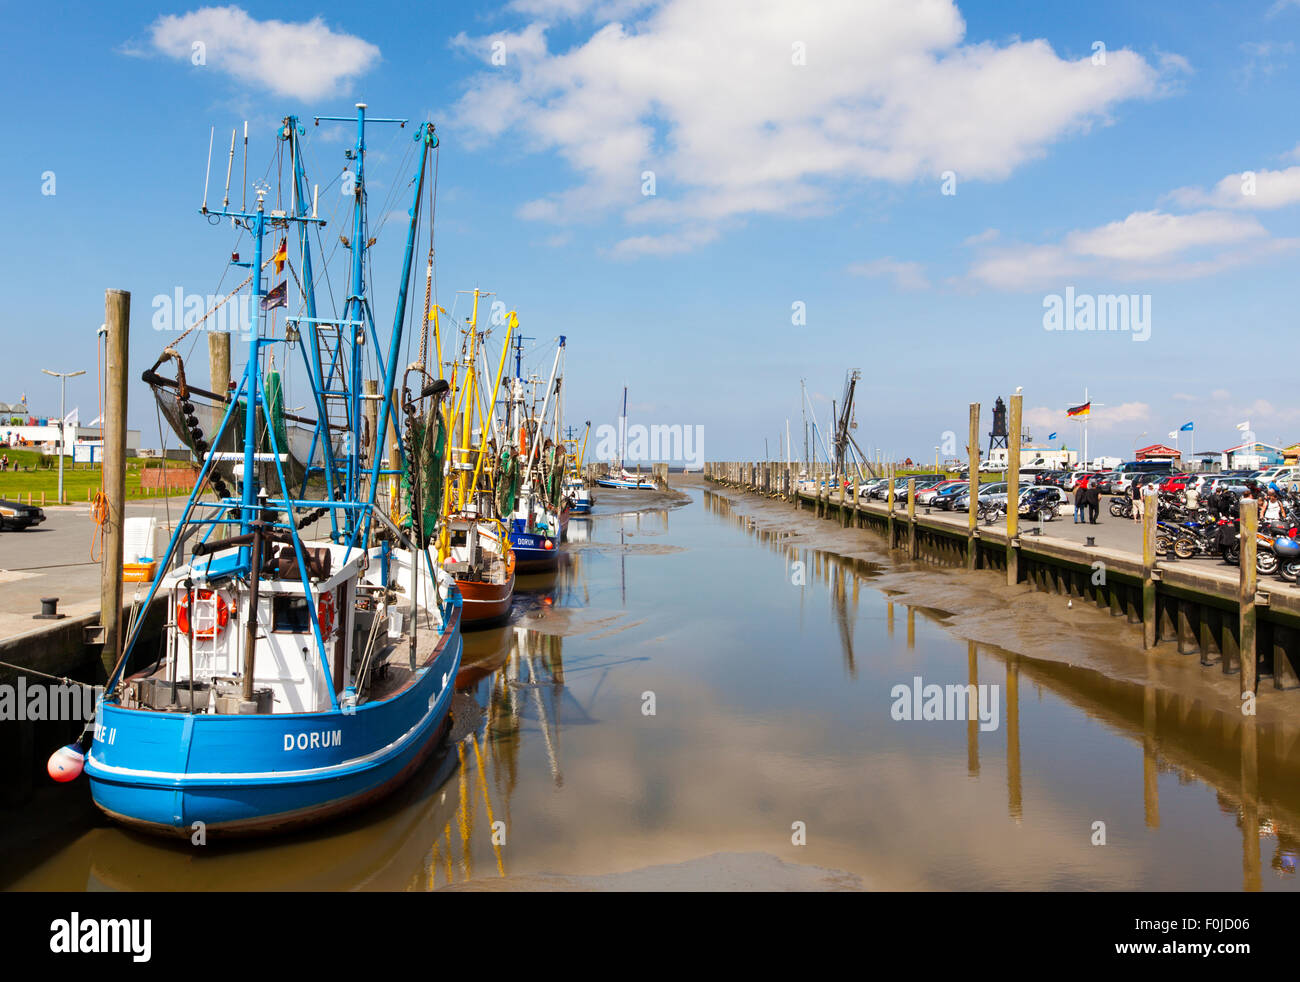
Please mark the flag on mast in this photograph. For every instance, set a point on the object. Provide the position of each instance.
(1083, 410)
(276, 297)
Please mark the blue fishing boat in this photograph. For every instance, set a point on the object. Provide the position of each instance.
(301, 673)
(540, 517)
(576, 492)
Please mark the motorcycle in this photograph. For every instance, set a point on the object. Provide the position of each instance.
(1287, 548)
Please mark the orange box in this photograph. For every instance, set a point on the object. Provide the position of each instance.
(138, 572)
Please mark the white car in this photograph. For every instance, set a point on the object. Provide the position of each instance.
(1281, 475)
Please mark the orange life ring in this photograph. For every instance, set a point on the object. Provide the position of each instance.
(325, 614)
(207, 633)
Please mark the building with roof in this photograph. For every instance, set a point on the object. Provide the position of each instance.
(1158, 451)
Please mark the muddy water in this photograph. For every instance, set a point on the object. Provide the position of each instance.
(704, 697)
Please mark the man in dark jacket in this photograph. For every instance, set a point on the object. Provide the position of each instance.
(1093, 497)
(1080, 500)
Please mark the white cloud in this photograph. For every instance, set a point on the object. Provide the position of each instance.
(304, 60)
(1147, 245)
(708, 95)
(663, 245)
(568, 9)
(906, 275)
(1103, 418)
(1259, 190)
(528, 43)
(1263, 58)
(1151, 235)
(979, 238)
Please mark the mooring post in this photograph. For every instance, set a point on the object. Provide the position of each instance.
(843, 511)
(219, 363)
(1249, 516)
(117, 320)
(972, 513)
(394, 458)
(1013, 493)
(911, 518)
(370, 412)
(890, 502)
(857, 498)
(1149, 511)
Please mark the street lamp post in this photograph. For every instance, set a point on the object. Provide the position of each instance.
(63, 417)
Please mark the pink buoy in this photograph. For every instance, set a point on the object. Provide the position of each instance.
(66, 763)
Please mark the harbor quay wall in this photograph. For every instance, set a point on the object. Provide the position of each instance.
(1194, 608)
(55, 648)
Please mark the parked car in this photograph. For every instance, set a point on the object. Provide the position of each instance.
(15, 516)
(1280, 475)
(869, 485)
(1104, 482)
(988, 494)
(945, 497)
(927, 495)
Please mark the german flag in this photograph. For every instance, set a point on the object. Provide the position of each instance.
(1083, 410)
(281, 256)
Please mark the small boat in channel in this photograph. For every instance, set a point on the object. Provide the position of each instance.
(619, 477)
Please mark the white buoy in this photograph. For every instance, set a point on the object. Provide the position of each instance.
(66, 763)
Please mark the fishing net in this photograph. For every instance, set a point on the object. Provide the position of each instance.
(553, 471)
(195, 418)
(507, 482)
(426, 443)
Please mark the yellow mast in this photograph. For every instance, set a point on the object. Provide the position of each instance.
(512, 321)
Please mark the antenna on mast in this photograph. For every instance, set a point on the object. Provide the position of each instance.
(206, 177)
(244, 180)
(225, 204)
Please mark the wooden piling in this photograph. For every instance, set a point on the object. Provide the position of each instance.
(1013, 492)
(1249, 524)
(370, 413)
(219, 362)
(1148, 572)
(911, 518)
(973, 485)
(117, 319)
(889, 523)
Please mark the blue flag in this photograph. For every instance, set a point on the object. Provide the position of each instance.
(1185, 428)
(1051, 436)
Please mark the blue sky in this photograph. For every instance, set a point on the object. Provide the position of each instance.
(799, 154)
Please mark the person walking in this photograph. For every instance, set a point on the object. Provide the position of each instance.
(1094, 503)
(1136, 492)
(1080, 500)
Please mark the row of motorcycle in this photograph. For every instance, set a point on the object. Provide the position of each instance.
(1190, 533)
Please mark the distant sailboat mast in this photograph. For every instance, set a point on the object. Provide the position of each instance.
(622, 435)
